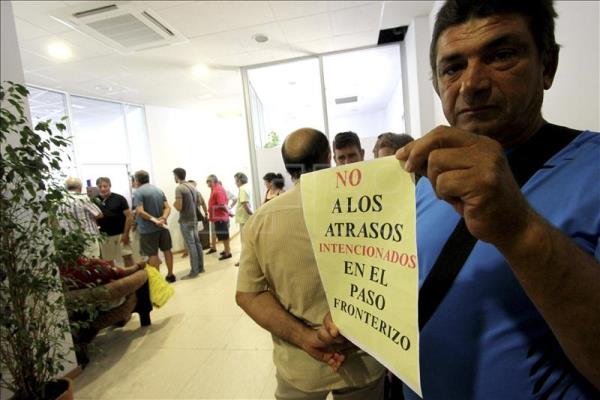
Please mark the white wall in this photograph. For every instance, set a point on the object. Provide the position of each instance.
(420, 101)
(393, 115)
(574, 99)
(438, 113)
(363, 123)
(200, 143)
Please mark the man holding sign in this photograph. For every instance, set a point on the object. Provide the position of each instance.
(279, 287)
(509, 213)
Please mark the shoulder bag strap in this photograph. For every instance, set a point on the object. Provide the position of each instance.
(524, 162)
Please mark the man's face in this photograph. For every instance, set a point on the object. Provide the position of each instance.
(104, 189)
(348, 155)
(490, 77)
(209, 183)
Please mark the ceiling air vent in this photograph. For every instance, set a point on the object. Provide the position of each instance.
(344, 100)
(123, 26)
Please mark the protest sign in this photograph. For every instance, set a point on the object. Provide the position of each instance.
(361, 221)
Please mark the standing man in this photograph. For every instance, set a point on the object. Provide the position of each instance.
(279, 287)
(83, 213)
(347, 148)
(152, 211)
(521, 317)
(243, 211)
(115, 223)
(186, 202)
(218, 214)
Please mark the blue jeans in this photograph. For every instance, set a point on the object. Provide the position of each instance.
(189, 231)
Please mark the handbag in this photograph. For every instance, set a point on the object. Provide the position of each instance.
(160, 290)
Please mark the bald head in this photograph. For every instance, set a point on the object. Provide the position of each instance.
(73, 184)
(305, 150)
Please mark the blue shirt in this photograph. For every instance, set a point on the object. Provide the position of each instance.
(486, 340)
(152, 198)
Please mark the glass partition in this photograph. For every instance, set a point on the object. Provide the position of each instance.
(109, 138)
(283, 97)
(363, 90)
(357, 90)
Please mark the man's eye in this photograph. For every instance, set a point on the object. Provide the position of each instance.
(503, 55)
(450, 70)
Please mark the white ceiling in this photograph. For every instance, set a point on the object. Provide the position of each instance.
(219, 34)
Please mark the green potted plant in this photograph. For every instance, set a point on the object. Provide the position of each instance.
(33, 323)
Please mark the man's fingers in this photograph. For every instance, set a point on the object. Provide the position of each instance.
(330, 325)
(447, 159)
(416, 154)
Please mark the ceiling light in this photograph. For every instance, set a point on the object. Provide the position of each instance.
(260, 38)
(103, 88)
(59, 51)
(200, 70)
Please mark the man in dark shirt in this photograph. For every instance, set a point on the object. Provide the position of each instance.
(115, 223)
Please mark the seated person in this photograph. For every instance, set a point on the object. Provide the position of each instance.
(93, 272)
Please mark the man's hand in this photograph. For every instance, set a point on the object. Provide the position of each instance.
(328, 333)
(125, 238)
(471, 173)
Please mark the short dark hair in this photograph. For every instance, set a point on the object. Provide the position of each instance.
(269, 176)
(179, 173)
(278, 181)
(392, 140)
(346, 139)
(312, 156)
(142, 176)
(103, 179)
(276, 178)
(213, 178)
(240, 176)
(539, 15)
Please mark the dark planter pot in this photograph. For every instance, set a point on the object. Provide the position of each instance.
(60, 389)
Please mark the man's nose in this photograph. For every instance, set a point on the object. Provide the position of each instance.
(476, 84)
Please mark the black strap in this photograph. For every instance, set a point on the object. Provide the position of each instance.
(524, 161)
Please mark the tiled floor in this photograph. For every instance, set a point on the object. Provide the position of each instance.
(200, 346)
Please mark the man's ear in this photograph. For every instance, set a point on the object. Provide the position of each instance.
(550, 65)
(362, 154)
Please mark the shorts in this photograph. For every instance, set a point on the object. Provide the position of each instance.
(222, 230)
(151, 242)
(113, 249)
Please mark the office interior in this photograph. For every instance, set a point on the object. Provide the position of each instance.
(218, 95)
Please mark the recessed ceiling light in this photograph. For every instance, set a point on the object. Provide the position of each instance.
(260, 38)
(103, 88)
(59, 51)
(200, 70)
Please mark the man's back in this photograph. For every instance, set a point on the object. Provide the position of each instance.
(152, 199)
(188, 194)
(83, 211)
(277, 256)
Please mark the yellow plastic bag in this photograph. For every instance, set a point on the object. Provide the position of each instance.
(160, 290)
